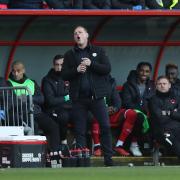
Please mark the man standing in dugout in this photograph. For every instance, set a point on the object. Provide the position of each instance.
(87, 67)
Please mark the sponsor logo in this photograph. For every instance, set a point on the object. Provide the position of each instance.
(30, 157)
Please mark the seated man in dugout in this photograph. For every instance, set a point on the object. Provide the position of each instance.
(164, 109)
(92, 4)
(172, 73)
(56, 93)
(128, 4)
(163, 4)
(18, 78)
(135, 95)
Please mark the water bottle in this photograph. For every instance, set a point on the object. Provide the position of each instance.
(86, 157)
(53, 160)
(85, 153)
(79, 153)
(57, 159)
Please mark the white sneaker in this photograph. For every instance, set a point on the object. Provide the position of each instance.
(134, 149)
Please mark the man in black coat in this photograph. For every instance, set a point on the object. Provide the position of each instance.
(172, 73)
(135, 95)
(87, 67)
(56, 94)
(164, 109)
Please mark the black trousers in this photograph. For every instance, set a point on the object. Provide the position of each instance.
(80, 115)
(174, 138)
(61, 117)
(50, 129)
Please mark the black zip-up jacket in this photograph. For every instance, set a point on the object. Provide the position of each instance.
(164, 102)
(131, 98)
(98, 70)
(54, 89)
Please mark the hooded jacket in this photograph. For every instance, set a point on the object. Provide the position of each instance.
(54, 89)
(131, 96)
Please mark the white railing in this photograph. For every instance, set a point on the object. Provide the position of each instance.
(17, 110)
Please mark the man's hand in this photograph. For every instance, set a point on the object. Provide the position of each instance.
(86, 61)
(81, 68)
(111, 110)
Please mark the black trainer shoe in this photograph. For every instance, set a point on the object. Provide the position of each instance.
(108, 162)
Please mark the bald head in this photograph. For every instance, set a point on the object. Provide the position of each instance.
(18, 70)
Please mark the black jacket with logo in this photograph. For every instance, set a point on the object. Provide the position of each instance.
(170, 104)
(54, 89)
(97, 72)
